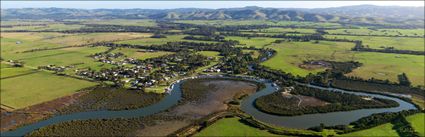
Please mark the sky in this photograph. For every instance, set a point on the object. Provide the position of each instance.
(196, 4)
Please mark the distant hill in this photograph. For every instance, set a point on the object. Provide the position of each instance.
(390, 12)
(348, 14)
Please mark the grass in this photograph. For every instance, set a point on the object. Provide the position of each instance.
(418, 123)
(23, 91)
(62, 57)
(377, 65)
(140, 54)
(12, 71)
(253, 42)
(382, 130)
(232, 127)
(290, 55)
(388, 66)
(401, 43)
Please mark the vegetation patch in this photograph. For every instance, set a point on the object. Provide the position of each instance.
(109, 98)
(293, 101)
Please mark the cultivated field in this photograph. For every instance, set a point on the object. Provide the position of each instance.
(23, 91)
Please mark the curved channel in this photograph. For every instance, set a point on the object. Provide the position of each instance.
(304, 121)
(310, 120)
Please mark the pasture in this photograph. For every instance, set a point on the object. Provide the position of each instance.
(374, 42)
(75, 56)
(8, 72)
(23, 91)
(290, 56)
(382, 130)
(417, 122)
(232, 127)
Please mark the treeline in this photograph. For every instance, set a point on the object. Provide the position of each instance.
(217, 38)
(177, 46)
(360, 47)
(287, 105)
(92, 28)
(379, 119)
(356, 84)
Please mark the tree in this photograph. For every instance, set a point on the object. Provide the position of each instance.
(403, 80)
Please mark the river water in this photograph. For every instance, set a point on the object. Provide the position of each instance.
(303, 121)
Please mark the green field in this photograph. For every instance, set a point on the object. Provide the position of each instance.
(27, 90)
(252, 42)
(378, 65)
(12, 71)
(60, 57)
(380, 32)
(388, 66)
(290, 55)
(232, 127)
(418, 123)
(401, 43)
(382, 130)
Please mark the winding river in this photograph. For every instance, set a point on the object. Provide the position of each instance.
(303, 121)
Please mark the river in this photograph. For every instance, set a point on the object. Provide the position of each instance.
(303, 121)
